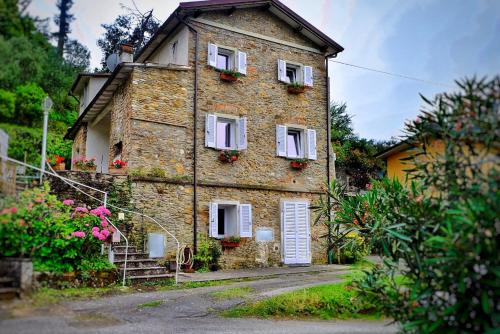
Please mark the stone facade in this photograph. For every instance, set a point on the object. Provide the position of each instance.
(152, 115)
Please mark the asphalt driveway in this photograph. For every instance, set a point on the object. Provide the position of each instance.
(182, 311)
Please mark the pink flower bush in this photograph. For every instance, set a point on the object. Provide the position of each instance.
(8, 210)
(81, 209)
(39, 200)
(100, 211)
(105, 233)
(78, 234)
(68, 202)
(104, 223)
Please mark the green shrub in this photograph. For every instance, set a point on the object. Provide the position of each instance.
(7, 105)
(29, 104)
(208, 253)
(58, 237)
(443, 227)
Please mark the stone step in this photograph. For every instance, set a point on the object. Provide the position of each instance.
(131, 256)
(136, 263)
(121, 249)
(149, 278)
(145, 271)
(6, 282)
(9, 293)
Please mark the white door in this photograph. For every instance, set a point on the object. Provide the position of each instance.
(295, 232)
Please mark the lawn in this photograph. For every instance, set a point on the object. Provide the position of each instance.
(231, 293)
(329, 301)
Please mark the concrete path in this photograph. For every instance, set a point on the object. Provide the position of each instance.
(182, 311)
(258, 273)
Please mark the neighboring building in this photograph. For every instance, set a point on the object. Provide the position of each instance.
(398, 157)
(167, 113)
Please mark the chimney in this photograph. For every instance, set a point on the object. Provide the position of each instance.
(126, 53)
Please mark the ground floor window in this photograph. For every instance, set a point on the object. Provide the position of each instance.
(230, 220)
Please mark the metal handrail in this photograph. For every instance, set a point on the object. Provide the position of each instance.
(69, 182)
(126, 250)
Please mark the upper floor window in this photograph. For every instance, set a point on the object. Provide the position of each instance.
(226, 58)
(226, 132)
(290, 73)
(295, 142)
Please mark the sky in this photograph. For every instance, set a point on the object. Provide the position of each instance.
(434, 40)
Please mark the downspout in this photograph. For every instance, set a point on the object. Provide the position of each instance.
(195, 129)
(328, 139)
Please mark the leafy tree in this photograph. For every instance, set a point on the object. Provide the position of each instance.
(77, 55)
(63, 20)
(135, 28)
(29, 104)
(354, 155)
(7, 105)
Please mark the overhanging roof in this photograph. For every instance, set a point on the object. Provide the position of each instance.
(185, 9)
(85, 75)
(399, 147)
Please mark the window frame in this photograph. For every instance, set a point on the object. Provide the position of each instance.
(296, 69)
(233, 132)
(224, 206)
(302, 140)
(228, 52)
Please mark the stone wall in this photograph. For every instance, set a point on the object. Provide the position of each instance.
(80, 143)
(121, 110)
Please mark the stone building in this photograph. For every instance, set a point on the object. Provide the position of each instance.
(168, 113)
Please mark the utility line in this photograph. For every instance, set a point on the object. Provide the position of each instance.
(394, 74)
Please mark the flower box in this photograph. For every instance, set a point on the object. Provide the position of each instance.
(298, 165)
(59, 166)
(229, 156)
(118, 171)
(295, 89)
(229, 244)
(229, 76)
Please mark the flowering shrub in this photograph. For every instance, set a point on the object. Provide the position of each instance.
(119, 164)
(55, 235)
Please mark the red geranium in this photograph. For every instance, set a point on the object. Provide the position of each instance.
(119, 164)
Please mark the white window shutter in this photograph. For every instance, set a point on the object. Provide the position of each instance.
(308, 76)
(242, 133)
(241, 63)
(245, 220)
(210, 128)
(281, 140)
(213, 212)
(212, 55)
(311, 144)
(282, 71)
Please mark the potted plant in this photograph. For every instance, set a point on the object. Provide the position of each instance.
(83, 164)
(229, 75)
(298, 164)
(57, 162)
(229, 156)
(119, 167)
(231, 242)
(296, 88)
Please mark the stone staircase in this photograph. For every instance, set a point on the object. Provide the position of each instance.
(140, 267)
(7, 289)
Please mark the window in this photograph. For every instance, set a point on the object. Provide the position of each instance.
(174, 50)
(230, 219)
(226, 58)
(226, 132)
(294, 144)
(291, 73)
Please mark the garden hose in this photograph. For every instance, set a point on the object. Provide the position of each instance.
(182, 256)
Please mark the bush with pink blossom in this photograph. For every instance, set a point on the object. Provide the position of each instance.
(57, 235)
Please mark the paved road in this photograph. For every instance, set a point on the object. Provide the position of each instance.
(183, 311)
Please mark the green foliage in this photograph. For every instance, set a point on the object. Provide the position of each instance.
(232, 293)
(153, 303)
(208, 253)
(41, 227)
(443, 229)
(7, 105)
(29, 104)
(354, 155)
(23, 139)
(332, 301)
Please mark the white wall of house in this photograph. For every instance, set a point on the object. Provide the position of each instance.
(90, 90)
(166, 55)
(98, 142)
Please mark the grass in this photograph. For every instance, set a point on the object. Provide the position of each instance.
(150, 304)
(232, 293)
(330, 301)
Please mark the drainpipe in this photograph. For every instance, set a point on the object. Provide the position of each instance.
(328, 139)
(195, 129)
